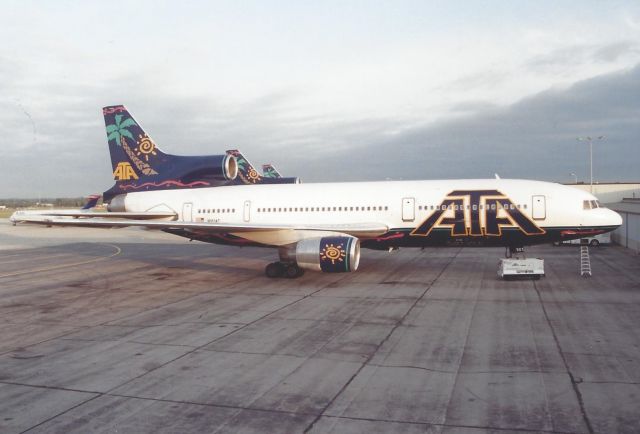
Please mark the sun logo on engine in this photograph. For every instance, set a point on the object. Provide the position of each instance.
(145, 147)
(333, 253)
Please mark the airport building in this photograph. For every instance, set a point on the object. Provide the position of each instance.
(628, 235)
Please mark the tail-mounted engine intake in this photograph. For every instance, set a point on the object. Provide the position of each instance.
(328, 254)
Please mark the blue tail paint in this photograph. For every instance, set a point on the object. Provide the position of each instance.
(139, 165)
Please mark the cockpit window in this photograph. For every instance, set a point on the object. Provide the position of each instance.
(591, 204)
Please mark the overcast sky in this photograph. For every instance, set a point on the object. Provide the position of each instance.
(324, 90)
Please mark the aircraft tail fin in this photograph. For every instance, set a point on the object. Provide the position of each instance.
(133, 152)
(269, 171)
(139, 165)
(246, 172)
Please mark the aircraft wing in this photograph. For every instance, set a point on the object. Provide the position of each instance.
(29, 216)
(147, 215)
(364, 230)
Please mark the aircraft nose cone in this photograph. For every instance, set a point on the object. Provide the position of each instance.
(615, 218)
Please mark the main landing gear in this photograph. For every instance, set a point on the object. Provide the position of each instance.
(290, 270)
(514, 250)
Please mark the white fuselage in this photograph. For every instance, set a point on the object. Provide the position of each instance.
(400, 205)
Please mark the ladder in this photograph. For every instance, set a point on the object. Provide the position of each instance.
(585, 261)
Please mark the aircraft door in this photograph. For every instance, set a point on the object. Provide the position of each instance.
(247, 210)
(408, 209)
(187, 212)
(538, 207)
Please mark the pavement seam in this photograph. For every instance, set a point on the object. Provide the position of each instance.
(630, 383)
(464, 348)
(100, 394)
(395, 326)
(249, 408)
(59, 414)
(214, 340)
(527, 305)
(58, 267)
(574, 383)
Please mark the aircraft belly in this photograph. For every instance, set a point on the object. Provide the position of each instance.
(283, 237)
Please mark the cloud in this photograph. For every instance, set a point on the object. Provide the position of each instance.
(567, 58)
(612, 52)
(533, 138)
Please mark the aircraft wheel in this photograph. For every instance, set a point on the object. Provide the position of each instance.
(274, 269)
(292, 271)
(594, 243)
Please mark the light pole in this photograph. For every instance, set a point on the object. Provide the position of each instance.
(590, 140)
(575, 177)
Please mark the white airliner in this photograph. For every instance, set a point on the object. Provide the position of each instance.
(322, 226)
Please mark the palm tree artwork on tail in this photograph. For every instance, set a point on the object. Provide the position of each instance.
(119, 133)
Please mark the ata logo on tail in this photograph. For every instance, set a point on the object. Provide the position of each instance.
(477, 213)
(124, 172)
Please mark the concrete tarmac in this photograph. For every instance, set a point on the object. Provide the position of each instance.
(134, 331)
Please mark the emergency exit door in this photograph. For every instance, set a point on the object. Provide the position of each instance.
(247, 210)
(187, 212)
(408, 209)
(538, 207)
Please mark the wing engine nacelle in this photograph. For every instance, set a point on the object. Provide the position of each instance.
(337, 254)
